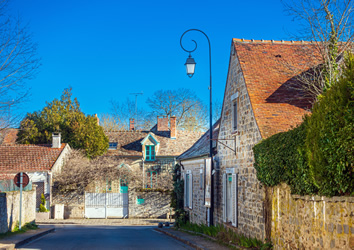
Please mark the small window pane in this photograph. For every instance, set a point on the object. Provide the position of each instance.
(112, 145)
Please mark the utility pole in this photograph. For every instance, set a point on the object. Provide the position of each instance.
(136, 104)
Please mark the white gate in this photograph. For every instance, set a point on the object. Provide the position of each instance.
(106, 205)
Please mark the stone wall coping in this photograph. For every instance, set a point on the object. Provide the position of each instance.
(349, 199)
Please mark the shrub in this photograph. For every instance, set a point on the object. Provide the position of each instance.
(329, 138)
(42, 207)
(177, 197)
(282, 158)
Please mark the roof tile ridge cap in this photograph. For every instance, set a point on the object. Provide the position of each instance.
(242, 40)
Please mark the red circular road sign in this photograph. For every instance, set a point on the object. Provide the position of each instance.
(25, 179)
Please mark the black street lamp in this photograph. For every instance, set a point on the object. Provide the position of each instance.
(190, 66)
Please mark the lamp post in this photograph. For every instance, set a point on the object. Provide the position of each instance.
(190, 67)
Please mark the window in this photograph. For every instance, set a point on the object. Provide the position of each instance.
(112, 145)
(149, 153)
(151, 180)
(201, 176)
(234, 101)
(188, 190)
(230, 201)
(234, 115)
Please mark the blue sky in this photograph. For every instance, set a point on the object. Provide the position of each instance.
(107, 49)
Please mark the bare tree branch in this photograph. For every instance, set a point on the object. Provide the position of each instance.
(18, 62)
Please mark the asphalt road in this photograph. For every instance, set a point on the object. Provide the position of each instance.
(105, 237)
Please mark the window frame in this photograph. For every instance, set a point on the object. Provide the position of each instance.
(234, 198)
(150, 153)
(188, 190)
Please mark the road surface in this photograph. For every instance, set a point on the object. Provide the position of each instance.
(104, 237)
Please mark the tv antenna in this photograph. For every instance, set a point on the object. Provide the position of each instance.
(136, 102)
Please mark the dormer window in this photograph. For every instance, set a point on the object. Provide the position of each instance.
(149, 152)
(112, 145)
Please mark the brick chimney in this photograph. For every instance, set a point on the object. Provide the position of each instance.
(162, 123)
(131, 124)
(56, 140)
(98, 120)
(173, 127)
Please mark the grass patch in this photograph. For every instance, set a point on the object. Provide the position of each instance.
(25, 228)
(226, 235)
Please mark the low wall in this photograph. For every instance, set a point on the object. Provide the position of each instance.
(156, 205)
(74, 205)
(10, 209)
(311, 222)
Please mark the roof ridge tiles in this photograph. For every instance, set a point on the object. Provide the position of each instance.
(271, 41)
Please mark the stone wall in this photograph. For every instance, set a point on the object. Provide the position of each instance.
(251, 196)
(10, 209)
(156, 204)
(199, 213)
(311, 222)
(74, 205)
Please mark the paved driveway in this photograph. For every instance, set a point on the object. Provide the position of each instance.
(105, 237)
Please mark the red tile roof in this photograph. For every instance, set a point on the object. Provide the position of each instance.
(269, 68)
(28, 158)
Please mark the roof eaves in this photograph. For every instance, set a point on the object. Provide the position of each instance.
(152, 136)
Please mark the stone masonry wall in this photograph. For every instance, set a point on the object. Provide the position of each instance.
(198, 214)
(251, 195)
(311, 222)
(74, 205)
(10, 209)
(156, 205)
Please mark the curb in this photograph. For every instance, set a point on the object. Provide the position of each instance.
(194, 245)
(33, 237)
(11, 246)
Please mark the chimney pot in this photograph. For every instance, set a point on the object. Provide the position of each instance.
(131, 124)
(173, 123)
(56, 140)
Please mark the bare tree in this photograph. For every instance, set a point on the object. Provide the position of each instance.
(190, 112)
(121, 112)
(80, 174)
(18, 62)
(329, 23)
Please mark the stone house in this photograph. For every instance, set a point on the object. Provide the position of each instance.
(195, 164)
(40, 162)
(152, 154)
(262, 97)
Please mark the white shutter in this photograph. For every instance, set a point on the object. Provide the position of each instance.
(190, 191)
(185, 189)
(224, 182)
(234, 199)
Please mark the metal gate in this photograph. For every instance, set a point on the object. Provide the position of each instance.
(106, 205)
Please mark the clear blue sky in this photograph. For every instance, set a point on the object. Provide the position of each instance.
(107, 49)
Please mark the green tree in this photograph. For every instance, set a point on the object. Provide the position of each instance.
(64, 116)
